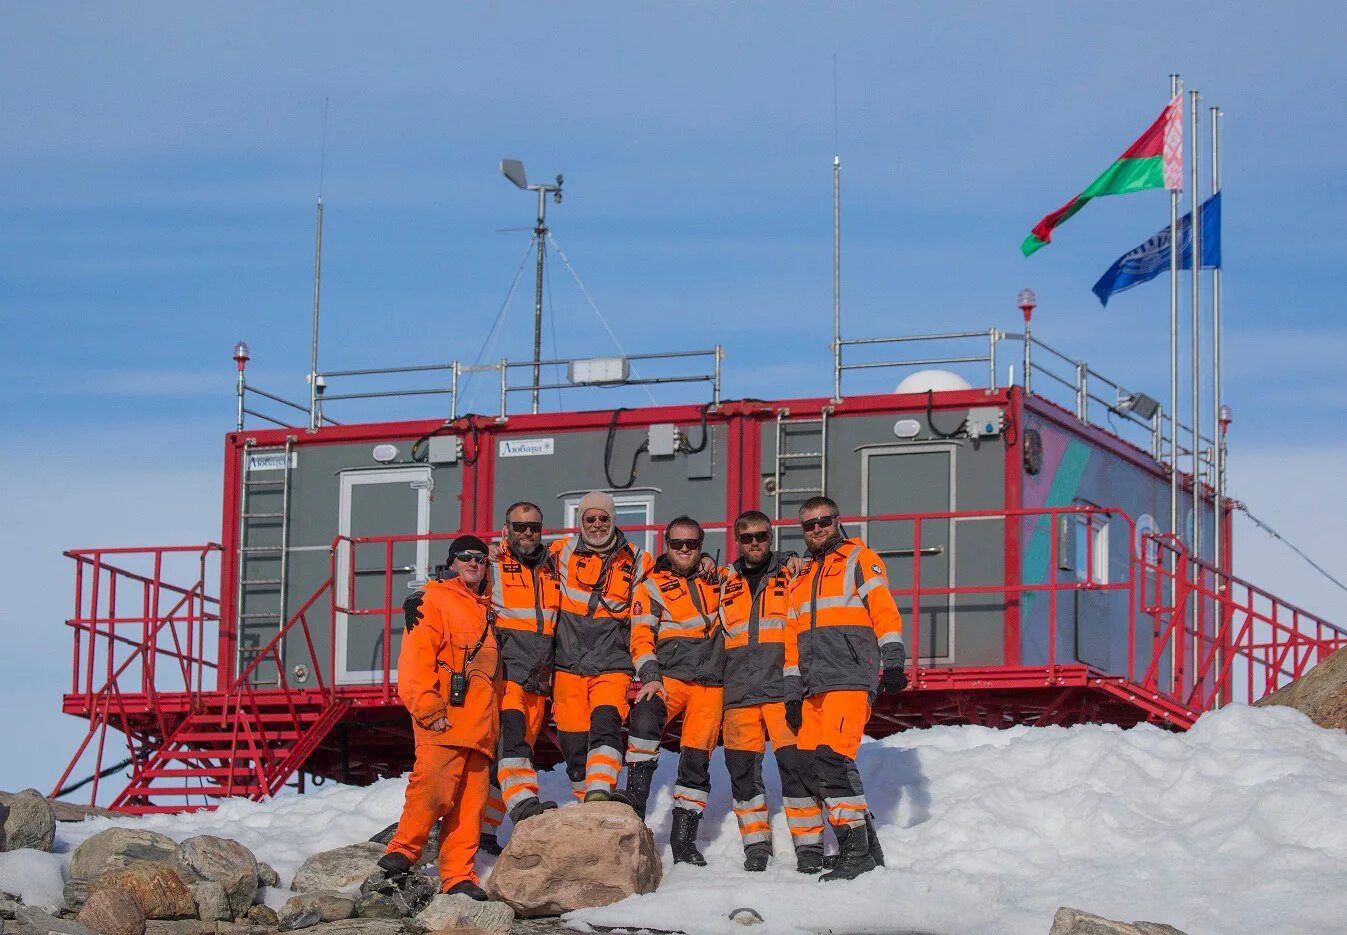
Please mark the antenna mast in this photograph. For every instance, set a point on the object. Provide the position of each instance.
(837, 250)
(513, 170)
(315, 389)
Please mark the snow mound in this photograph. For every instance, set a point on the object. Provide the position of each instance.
(36, 876)
(1234, 827)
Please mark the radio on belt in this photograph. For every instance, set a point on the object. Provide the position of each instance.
(985, 422)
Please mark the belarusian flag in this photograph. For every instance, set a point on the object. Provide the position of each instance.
(1155, 160)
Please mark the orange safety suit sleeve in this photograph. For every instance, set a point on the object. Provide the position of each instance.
(872, 586)
(645, 614)
(418, 670)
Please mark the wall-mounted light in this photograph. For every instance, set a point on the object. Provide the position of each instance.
(385, 453)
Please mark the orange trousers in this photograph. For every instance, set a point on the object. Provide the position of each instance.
(449, 785)
(700, 706)
(521, 718)
(589, 711)
(830, 735)
(747, 730)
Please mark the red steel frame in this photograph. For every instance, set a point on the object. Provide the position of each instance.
(1246, 641)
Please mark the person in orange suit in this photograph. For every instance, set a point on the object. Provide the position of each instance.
(449, 680)
(842, 629)
(679, 658)
(754, 605)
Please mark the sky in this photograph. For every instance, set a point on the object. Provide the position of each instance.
(160, 162)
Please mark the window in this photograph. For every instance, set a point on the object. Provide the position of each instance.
(1091, 552)
(632, 510)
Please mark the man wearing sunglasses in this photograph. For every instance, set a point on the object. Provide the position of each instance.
(679, 658)
(754, 604)
(599, 570)
(448, 679)
(525, 594)
(843, 627)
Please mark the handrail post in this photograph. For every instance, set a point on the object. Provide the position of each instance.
(715, 386)
(1082, 390)
(453, 391)
(1157, 430)
(991, 359)
(504, 386)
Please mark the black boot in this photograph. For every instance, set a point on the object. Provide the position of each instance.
(809, 860)
(683, 838)
(756, 857)
(395, 864)
(853, 855)
(487, 843)
(639, 776)
(469, 889)
(530, 808)
(876, 852)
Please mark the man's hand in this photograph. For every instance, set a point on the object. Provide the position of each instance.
(793, 565)
(493, 552)
(411, 610)
(649, 690)
(707, 570)
(439, 725)
(893, 681)
(794, 715)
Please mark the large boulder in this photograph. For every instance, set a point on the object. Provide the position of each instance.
(116, 848)
(310, 909)
(397, 897)
(448, 913)
(1320, 694)
(1074, 922)
(159, 890)
(66, 811)
(339, 868)
(576, 858)
(267, 875)
(29, 920)
(212, 902)
(222, 861)
(357, 927)
(28, 822)
(112, 912)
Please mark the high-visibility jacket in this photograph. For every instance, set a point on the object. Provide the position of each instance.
(454, 635)
(525, 601)
(674, 628)
(594, 618)
(843, 623)
(754, 624)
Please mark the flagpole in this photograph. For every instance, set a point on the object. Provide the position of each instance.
(1217, 455)
(1195, 250)
(1174, 91)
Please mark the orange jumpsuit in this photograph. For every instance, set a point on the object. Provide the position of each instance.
(451, 777)
(675, 638)
(593, 661)
(754, 623)
(525, 600)
(843, 623)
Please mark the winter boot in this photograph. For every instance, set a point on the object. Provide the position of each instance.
(488, 844)
(530, 808)
(469, 889)
(853, 855)
(809, 860)
(683, 838)
(395, 864)
(756, 857)
(639, 776)
(597, 795)
(876, 852)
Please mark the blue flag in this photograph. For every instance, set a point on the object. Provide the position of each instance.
(1149, 260)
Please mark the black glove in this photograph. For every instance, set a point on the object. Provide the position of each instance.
(893, 681)
(411, 610)
(794, 715)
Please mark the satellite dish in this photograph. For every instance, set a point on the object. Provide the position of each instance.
(938, 380)
(513, 170)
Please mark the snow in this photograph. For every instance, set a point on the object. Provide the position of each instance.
(1236, 826)
(35, 876)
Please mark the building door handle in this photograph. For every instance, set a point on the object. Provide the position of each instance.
(908, 553)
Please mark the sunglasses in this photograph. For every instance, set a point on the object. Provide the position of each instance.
(748, 538)
(684, 545)
(818, 522)
(597, 519)
(535, 528)
(469, 557)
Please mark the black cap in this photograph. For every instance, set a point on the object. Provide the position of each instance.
(465, 544)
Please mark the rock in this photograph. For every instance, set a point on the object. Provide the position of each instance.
(9, 904)
(357, 927)
(267, 875)
(76, 892)
(576, 858)
(67, 811)
(1069, 921)
(212, 902)
(339, 868)
(29, 920)
(746, 915)
(264, 916)
(1320, 694)
(229, 863)
(112, 912)
(398, 897)
(308, 909)
(158, 889)
(29, 822)
(180, 927)
(115, 848)
(447, 912)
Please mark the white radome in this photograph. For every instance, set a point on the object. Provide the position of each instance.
(937, 380)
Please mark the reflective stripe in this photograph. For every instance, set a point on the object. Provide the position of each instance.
(757, 803)
(772, 623)
(875, 582)
(848, 810)
(790, 802)
(494, 813)
(888, 638)
(578, 789)
(640, 750)
(791, 671)
(522, 613)
(849, 574)
(846, 801)
(734, 632)
(803, 839)
(669, 627)
(643, 659)
(645, 620)
(756, 835)
(694, 799)
(518, 780)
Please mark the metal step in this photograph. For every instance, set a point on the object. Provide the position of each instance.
(241, 776)
(262, 736)
(263, 483)
(799, 490)
(801, 454)
(258, 615)
(248, 582)
(212, 791)
(262, 515)
(261, 548)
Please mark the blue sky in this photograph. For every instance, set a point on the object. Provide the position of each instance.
(159, 162)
